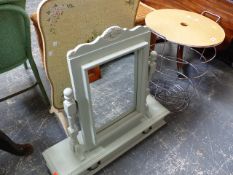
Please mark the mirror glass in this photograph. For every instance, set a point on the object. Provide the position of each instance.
(113, 96)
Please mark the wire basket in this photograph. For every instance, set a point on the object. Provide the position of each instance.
(171, 91)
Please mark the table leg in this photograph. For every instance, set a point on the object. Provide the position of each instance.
(179, 56)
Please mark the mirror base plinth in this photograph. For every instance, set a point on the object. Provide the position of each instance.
(61, 159)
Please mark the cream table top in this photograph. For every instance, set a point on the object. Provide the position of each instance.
(185, 28)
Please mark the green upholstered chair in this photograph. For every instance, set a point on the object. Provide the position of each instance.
(15, 41)
(20, 3)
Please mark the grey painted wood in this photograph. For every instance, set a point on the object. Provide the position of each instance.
(100, 148)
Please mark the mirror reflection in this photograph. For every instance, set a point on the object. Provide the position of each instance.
(113, 96)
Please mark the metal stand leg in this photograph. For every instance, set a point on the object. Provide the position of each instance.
(25, 65)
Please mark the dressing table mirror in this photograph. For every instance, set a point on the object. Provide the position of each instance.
(111, 115)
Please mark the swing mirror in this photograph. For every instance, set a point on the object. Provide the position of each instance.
(111, 105)
(115, 112)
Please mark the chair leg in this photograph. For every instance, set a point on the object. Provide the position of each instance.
(25, 65)
(37, 76)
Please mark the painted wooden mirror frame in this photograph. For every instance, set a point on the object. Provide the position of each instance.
(86, 151)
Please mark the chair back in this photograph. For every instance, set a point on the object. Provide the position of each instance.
(66, 23)
(14, 36)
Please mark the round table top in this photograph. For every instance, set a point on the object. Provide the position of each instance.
(185, 28)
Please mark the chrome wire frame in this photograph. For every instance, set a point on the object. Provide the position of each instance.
(172, 88)
(174, 93)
